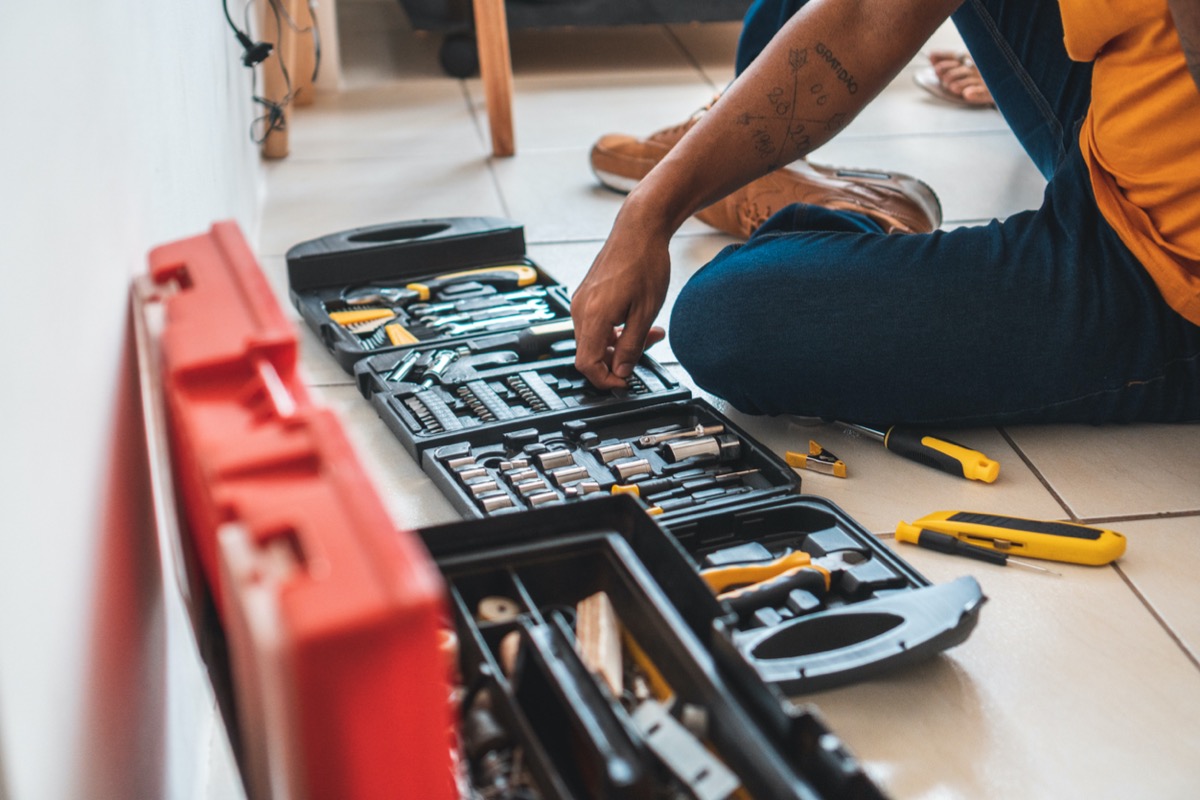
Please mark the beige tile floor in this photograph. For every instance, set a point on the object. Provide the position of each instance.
(1085, 685)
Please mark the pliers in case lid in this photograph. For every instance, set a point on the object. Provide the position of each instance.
(750, 586)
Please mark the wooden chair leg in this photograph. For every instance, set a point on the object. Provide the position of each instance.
(495, 68)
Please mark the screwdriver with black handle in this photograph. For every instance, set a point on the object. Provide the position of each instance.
(932, 451)
(945, 543)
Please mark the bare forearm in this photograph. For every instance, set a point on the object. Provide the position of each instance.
(1186, 14)
(825, 65)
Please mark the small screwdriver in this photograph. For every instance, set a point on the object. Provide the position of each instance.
(931, 451)
(945, 543)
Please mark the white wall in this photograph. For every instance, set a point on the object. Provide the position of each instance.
(123, 125)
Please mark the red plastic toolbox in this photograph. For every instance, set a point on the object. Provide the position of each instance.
(332, 618)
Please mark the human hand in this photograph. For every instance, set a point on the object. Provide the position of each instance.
(616, 304)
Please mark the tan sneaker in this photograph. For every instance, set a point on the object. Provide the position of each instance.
(621, 161)
(900, 203)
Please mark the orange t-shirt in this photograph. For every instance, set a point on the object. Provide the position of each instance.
(1141, 137)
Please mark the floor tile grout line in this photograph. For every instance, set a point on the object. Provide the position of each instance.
(490, 160)
(1188, 654)
(690, 58)
(1037, 473)
(1146, 517)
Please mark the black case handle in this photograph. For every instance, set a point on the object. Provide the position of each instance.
(396, 249)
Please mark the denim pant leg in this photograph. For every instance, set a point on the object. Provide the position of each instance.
(1042, 94)
(1045, 317)
(763, 20)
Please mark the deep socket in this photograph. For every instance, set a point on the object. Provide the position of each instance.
(710, 447)
(496, 502)
(555, 459)
(611, 452)
(565, 475)
(627, 469)
(483, 487)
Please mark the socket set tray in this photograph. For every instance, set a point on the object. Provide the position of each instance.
(431, 396)
(388, 288)
(674, 456)
(587, 670)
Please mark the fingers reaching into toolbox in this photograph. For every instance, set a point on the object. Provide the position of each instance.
(615, 306)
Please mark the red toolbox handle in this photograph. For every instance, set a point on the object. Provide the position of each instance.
(333, 617)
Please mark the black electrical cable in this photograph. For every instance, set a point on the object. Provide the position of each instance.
(254, 52)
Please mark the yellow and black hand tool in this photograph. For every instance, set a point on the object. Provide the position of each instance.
(724, 580)
(931, 451)
(1054, 541)
(503, 278)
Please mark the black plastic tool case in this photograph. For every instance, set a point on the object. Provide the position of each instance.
(323, 270)
(576, 738)
(499, 465)
(492, 391)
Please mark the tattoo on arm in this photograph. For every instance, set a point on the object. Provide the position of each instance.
(781, 134)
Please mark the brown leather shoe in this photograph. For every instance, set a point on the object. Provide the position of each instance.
(900, 203)
(620, 161)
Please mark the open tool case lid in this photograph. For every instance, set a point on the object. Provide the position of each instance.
(329, 275)
(581, 740)
(877, 613)
(332, 618)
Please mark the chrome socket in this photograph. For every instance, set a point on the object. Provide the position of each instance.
(496, 502)
(611, 452)
(627, 469)
(555, 459)
(565, 475)
(709, 447)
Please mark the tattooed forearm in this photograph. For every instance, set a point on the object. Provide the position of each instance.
(781, 133)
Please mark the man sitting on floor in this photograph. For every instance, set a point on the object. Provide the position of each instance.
(847, 301)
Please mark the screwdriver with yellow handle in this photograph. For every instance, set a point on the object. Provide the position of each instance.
(1070, 542)
(505, 277)
(932, 451)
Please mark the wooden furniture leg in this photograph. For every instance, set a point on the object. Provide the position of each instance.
(275, 86)
(495, 68)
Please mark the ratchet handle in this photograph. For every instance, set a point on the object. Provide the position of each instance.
(942, 454)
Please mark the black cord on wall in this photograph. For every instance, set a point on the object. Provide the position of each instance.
(254, 53)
